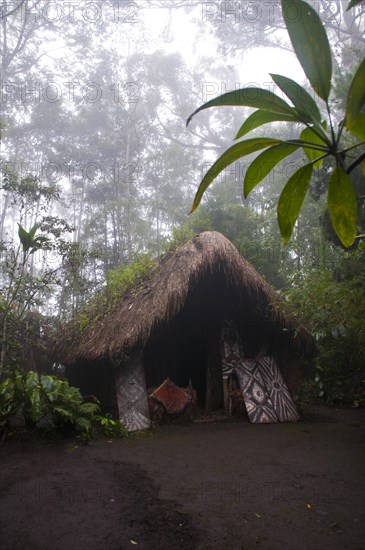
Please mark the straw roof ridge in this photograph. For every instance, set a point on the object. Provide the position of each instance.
(134, 315)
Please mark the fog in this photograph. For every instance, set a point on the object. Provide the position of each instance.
(95, 148)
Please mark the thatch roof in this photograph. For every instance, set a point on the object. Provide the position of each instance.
(133, 317)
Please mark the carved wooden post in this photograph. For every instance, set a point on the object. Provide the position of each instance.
(132, 394)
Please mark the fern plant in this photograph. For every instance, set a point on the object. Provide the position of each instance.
(39, 397)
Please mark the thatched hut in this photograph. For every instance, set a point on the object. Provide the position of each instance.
(171, 325)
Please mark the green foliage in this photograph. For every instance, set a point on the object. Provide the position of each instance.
(333, 304)
(26, 190)
(2, 128)
(342, 206)
(310, 136)
(120, 280)
(44, 399)
(232, 154)
(262, 165)
(124, 278)
(180, 235)
(111, 427)
(291, 200)
(29, 241)
(311, 45)
(259, 118)
(83, 321)
(8, 402)
(20, 286)
(24, 282)
(306, 393)
(356, 97)
(353, 3)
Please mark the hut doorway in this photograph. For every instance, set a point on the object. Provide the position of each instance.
(188, 348)
(189, 351)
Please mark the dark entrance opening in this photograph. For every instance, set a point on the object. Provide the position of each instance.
(177, 353)
(188, 347)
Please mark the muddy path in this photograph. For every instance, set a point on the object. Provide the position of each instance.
(225, 485)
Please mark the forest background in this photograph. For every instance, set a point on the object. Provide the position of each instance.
(98, 170)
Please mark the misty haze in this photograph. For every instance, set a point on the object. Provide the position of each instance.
(182, 259)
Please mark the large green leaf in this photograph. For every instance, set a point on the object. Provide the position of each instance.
(258, 98)
(264, 163)
(82, 423)
(312, 154)
(304, 104)
(358, 129)
(291, 200)
(232, 154)
(342, 206)
(353, 3)
(63, 412)
(310, 43)
(259, 118)
(31, 381)
(304, 143)
(36, 404)
(356, 96)
(48, 384)
(33, 231)
(24, 238)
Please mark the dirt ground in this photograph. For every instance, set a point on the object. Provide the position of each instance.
(224, 485)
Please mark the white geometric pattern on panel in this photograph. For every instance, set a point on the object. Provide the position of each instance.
(133, 420)
(132, 394)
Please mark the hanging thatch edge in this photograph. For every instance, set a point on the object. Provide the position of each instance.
(139, 311)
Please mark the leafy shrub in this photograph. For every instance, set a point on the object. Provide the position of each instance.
(112, 427)
(179, 235)
(333, 304)
(124, 278)
(120, 280)
(40, 398)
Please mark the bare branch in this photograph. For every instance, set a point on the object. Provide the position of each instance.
(11, 12)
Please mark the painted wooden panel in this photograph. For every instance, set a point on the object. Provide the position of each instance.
(277, 390)
(132, 394)
(257, 401)
(230, 348)
(230, 357)
(265, 394)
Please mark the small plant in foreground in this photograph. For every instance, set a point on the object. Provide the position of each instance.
(111, 427)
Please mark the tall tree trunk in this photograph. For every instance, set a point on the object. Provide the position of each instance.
(128, 198)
